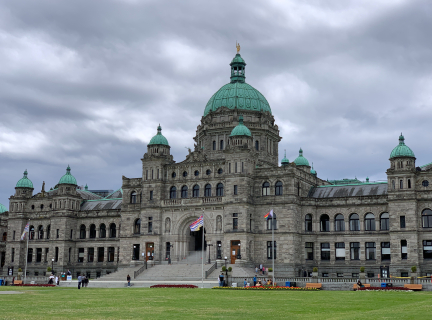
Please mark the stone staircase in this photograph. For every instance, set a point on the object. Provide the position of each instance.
(237, 271)
(120, 274)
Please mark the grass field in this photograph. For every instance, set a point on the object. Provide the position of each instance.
(146, 303)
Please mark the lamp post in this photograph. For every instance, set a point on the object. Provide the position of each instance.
(219, 253)
(239, 254)
(226, 270)
(209, 245)
(52, 266)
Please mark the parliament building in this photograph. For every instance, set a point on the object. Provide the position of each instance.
(232, 177)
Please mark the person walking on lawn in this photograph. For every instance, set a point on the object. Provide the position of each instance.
(128, 280)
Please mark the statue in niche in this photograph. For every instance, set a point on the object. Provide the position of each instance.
(167, 225)
(218, 223)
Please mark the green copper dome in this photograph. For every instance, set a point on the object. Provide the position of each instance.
(301, 161)
(312, 171)
(240, 129)
(402, 150)
(68, 178)
(3, 208)
(285, 160)
(237, 93)
(159, 138)
(24, 182)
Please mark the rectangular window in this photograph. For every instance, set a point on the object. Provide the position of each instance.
(371, 275)
(402, 222)
(404, 274)
(325, 251)
(39, 255)
(385, 250)
(269, 249)
(355, 250)
(235, 221)
(46, 254)
(56, 256)
(71, 233)
(151, 195)
(401, 184)
(13, 235)
(150, 225)
(101, 252)
(235, 166)
(229, 167)
(269, 224)
(427, 249)
(70, 254)
(325, 275)
(355, 275)
(242, 167)
(111, 254)
(152, 174)
(146, 174)
(157, 173)
(80, 254)
(340, 250)
(90, 255)
(309, 250)
(404, 249)
(370, 251)
(58, 234)
(235, 190)
(340, 275)
(13, 255)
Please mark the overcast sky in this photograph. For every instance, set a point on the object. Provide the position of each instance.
(86, 83)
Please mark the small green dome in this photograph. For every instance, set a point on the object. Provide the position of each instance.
(285, 160)
(3, 208)
(301, 161)
(159, 138)
(312, 171)
(401, 150)
(240, 129)
(68, 178)
(24, 182)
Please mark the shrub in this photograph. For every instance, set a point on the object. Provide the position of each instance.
(413, 269)
(315, 269)
(19, 270)
(223, 268)
(49, 269)
(229, 269)
(270, 269)
(362, 269)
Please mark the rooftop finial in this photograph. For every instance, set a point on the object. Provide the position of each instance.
(241, 119)
(238, 47)
(285, 153)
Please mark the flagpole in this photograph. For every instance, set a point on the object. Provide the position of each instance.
(273, 252)
(25, 257)
(202, 255)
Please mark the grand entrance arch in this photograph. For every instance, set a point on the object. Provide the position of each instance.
(196, 241)
(189, 244)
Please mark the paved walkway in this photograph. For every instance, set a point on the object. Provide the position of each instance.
(10, 292)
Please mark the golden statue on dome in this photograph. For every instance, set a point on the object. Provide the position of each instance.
(238, 47)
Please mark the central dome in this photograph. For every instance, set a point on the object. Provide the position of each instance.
(237, 93)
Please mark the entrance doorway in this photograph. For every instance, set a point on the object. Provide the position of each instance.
(149, 251)
(197, 239)
(385, 273)
(136, 252)
(235, 250)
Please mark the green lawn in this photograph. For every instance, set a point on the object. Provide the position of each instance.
(133, 303)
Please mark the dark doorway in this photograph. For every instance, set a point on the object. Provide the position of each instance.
(198, 236)
(136, 252)
(385, 272)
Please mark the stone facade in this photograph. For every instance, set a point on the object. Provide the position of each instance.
(334, 226)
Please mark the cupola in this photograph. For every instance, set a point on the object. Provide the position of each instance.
(401, 150)
(68, 178)
(300, 160)
(312, 171)
(3, 209)
(285, 160)
(158, 139)
(240, 129)
(158, 145)
(24, 182)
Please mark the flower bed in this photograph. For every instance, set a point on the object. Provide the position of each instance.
(383, 289)
(190, 286)
(266, 288)
(34, 285)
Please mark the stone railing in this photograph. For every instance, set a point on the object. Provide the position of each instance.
(212, 200)
(140, 270)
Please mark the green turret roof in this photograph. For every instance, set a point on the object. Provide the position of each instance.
(240, 129)
(24, 182)
(312, 171)
(285, 160)
(68, 178)
(237, 94)
(159, 138)
(402, 150)
(3, 208)
(301, 161)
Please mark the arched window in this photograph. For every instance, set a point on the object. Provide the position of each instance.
(221, 144)
(278, 188)
(384, 221)
(308, 222)
(184, 192)
(257, 145)
(269, 222)
(82, 232)
(112, 230)
(207, 190)
(133, 197)
(92, 231)
(219, 190)
(339, 222)
(195, 192)
(409, 183)
(41, 206)
(325, 223)
(354, 222)
(369, 222)
(214, 145)
(266, 189)
(40, 232)
(31, 233)
(102, 231)
(427, 218)
(400, 184)
(173, 193)
(48, 232)
(137, 226)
